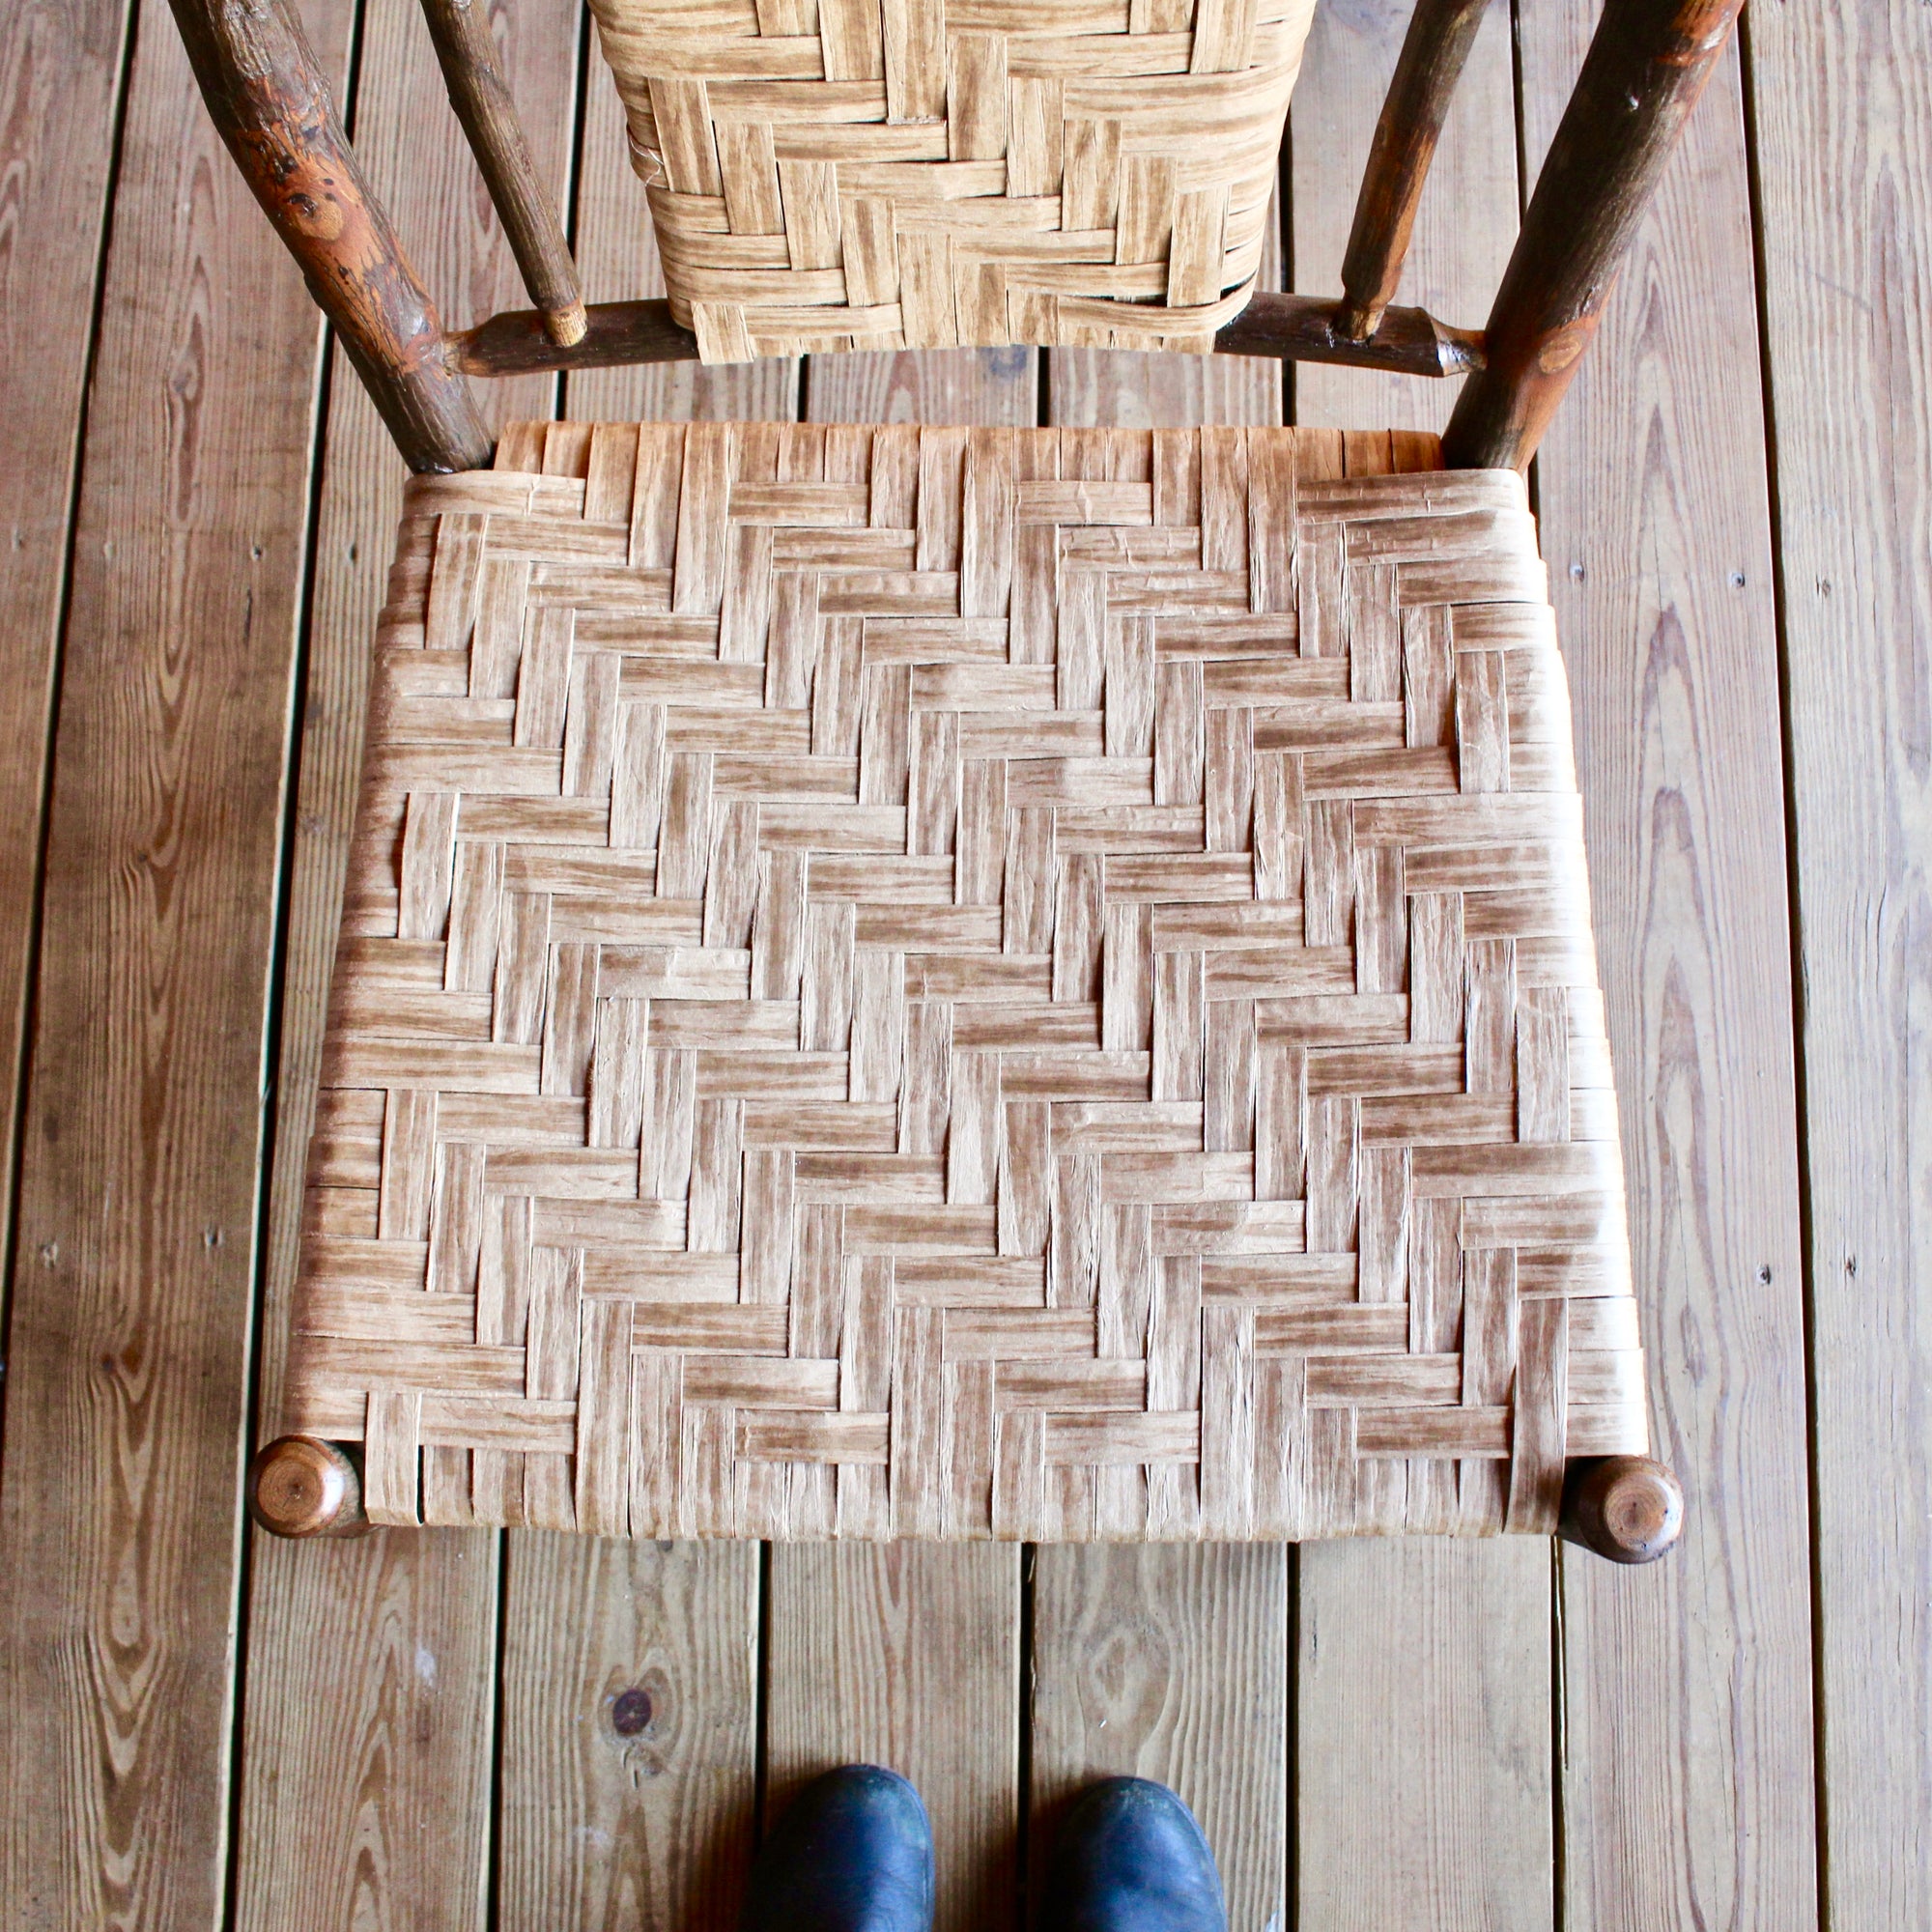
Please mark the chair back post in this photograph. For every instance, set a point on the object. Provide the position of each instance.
(271, 104)
(466, 51)
(1647, 65)
(1433, 53)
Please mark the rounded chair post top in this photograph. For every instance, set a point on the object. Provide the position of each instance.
(1628, 1508)
(300, 1487)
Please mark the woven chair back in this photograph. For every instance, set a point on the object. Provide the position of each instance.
(905, 174)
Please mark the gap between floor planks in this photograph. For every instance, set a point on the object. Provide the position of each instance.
(1425, 1676)
(128, 1336)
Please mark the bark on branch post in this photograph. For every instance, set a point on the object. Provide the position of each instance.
(466, 51)
(1647, 65)
(271, 104)
(1433, 53)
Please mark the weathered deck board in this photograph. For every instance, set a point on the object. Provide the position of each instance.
(630, 1690)
(367, 1771)
(932, 385)
(61, 73)
(664, 1814)
(366, 1745)
(1843, 126)
(1170, 1662)
(1422, 1780)
(906, 1655)
(127, 1382)
(1688, 1797)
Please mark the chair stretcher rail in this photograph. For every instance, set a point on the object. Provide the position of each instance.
(1297, 329)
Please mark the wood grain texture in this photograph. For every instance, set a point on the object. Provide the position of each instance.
(440, 1590)
(629, 1679)
(1424, 1769)
(1447, 1746)
(664, 1814)
(1688, 1799)
(932, 385)
(367, 1799)
(60, 71)
(126, 1373)
(1845, 171)
(906, 1655)
(1170, 1664)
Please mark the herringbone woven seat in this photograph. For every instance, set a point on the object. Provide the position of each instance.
(893, 174)
(966, 983)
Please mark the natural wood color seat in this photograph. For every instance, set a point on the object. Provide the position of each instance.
(959, 983)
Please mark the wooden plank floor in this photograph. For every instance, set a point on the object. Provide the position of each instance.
(471, 1729)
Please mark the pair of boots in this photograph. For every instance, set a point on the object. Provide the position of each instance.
(854, 1853)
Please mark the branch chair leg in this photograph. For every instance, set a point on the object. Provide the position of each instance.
(271, 104)
(1647, 65)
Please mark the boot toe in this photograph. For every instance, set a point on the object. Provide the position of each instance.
(852, 1854)
(1129, 1858)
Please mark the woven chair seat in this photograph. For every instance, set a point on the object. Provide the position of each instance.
(902, 174)
(949, 982)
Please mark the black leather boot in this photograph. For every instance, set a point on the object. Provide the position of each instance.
(1129, 1858)
(854, 1853)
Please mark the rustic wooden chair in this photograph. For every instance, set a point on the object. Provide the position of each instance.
(944, 982)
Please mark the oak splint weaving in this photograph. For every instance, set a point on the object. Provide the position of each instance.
(914, 174)
(966, 983)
